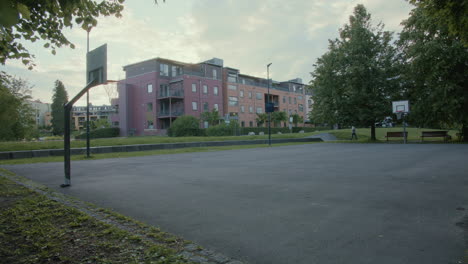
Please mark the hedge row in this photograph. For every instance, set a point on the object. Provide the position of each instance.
(101, 133)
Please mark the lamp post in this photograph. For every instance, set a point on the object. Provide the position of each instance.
(268, 104)
(87, 102)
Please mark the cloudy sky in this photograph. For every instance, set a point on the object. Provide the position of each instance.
(246, 34)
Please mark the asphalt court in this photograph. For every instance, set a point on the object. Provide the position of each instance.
(314, 203)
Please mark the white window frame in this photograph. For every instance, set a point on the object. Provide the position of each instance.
(149, 87)
(259, 110)
(250, 109)
(195, 106)
(242, 109)
(215, 74)
(215, 90)
(205, 89)
(216, 107)
(194, 87)
(241, 93)
(163, 69)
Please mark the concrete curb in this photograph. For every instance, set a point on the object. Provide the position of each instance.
(5, 155)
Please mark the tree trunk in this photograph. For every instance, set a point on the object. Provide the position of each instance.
(372, 132)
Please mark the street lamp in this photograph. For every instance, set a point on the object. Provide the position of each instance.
(87, 102)
(268, 104)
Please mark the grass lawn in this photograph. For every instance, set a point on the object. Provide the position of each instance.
(36, 229)
(414, 134)
(142, 153)
(16, 146)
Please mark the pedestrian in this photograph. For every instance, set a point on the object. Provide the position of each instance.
(353, 135)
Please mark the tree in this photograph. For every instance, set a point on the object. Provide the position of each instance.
(100, 123)
(59, 98)
(185, 126)
(297, 119)
(277, 117)
(434, 72)
(211, 117)
(448, 14)
(22, 20)
(356, 79)
(262, 119)
(16, 115)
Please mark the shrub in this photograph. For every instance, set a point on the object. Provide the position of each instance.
(223, 130)
(185, 126)
(101, 133)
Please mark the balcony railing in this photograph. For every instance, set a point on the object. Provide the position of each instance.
(171, 93)
(173, 113)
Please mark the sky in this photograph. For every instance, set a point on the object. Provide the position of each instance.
(246, 34)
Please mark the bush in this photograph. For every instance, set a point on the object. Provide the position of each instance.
(101, 133)
(223, 130)
(185, 126)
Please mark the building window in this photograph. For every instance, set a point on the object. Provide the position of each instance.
(310, 102)
(215, 74)
(215, 107)
(205, 107)
(205, 89)
(233, 101)
(295, 100)
(232, 77)
(259, 110)
(163, 69)
(149, 87)
(301, 108)
(242, 109)
(149, 124)
(259, 96)
(251, 109)
(250, 95)
(194, 87)
(176, 71)
(241, 93)
(250, 124)
(215, 90)
(232, 87)
(289, 99)
(242, 124)
(284, 99)
(194, 106)
(299, 97)
(149, 107)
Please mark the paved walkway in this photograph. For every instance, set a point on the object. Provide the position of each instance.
(316, 203)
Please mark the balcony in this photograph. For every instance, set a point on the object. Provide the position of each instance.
(167, 114)
(171, 94)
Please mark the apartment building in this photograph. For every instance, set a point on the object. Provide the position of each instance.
(95, 113)
(41, 112)
(157, 91)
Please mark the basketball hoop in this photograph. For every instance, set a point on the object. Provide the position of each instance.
(399, 114)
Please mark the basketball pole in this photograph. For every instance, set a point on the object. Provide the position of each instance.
(88, 144)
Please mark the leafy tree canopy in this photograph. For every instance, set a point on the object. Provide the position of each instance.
(59, 98)
(356, 78)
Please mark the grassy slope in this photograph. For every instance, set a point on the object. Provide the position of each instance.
(414, 134)
(15, 146)
(35, 229)
(140, 153)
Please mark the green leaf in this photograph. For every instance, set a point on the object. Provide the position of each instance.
(54, 52)
(47, 45)
(24, 11)
(72, 45)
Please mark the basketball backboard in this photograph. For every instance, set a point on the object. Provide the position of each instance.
(400, 106)
(96, 65)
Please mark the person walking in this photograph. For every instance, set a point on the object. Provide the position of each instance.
(353, 134)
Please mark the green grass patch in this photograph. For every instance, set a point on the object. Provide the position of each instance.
(35, 229)
(414, 134)
(143, 153)
(17, 146)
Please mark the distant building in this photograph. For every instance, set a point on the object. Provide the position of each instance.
(41, 113)
(309, 104)
(157, 91)
(95, 113)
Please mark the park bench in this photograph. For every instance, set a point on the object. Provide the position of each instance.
(443, 134)
(396, 134)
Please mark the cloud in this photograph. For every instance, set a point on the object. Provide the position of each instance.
(246, 34)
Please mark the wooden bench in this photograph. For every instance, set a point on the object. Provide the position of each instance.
(396, 134)
(443, 134)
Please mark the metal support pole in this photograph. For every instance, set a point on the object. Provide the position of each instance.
(404, 127)
(87, 107)
(268, 103)
(66, 143)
